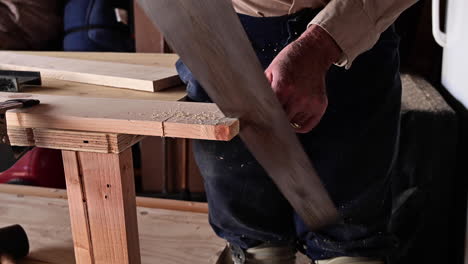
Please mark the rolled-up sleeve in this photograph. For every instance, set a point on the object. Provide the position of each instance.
(356, 25)
(29, 24)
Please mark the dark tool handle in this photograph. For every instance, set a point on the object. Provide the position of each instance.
(14, 241)
(12, 104)
(17, 103)
(26, 77)
(25, 102)
(28, 74)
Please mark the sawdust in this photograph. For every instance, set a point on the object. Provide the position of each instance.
(182, 116)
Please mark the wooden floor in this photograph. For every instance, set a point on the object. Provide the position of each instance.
(166, 237)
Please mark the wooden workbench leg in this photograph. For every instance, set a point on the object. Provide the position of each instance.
(101, 197)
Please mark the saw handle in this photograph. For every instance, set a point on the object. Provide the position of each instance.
(17, 103)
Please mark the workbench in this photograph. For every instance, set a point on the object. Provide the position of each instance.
(98, 164)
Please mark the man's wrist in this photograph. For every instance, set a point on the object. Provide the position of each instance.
(316, 39)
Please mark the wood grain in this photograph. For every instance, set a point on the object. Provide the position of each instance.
(59, 87)
(166, 237)
(156, 203)
(131, 76)
(72, 140)
(78, 209)
(209, 38)
(107, 189)
(148, 59)
(120, 116)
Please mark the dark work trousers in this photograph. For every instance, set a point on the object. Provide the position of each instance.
(353, 149)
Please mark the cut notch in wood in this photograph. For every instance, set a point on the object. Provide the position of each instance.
(123, 116)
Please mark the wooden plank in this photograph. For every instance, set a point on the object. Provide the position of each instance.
(174, 205)
(136, 77)
(149, 59)
(72, 140)
(166, 237)
(67, 88)
(209, 38)
(120, 116)
(19, 136)
(78, 209)
(108, 195)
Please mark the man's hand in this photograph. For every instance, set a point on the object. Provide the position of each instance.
(297, 76)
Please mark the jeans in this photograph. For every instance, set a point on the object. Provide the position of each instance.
(353, 149)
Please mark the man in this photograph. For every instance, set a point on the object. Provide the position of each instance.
(347, 119)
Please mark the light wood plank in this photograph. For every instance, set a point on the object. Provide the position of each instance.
(66, 88)
(148, 59)
(120, 116)
(78, 209)
(58, 87)
(166, 237)
(131, 76)
(72, 140)
(157, 203)
(209, 38)
(109, 191)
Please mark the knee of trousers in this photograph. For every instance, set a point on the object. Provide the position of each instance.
(234, 179)
(223, 161)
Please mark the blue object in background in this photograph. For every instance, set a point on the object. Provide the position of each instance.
(91, 25)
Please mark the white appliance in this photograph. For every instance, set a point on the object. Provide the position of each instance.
(455, 44)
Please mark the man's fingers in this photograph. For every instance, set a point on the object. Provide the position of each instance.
(300, 122)
(269, 76)
(281, 91)
(308, 125)
(294, 112)
(305, 115)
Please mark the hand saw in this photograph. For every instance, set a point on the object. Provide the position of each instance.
(210, 40)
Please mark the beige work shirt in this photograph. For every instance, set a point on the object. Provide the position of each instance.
(355, 25)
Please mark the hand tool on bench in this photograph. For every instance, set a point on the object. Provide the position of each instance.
(210, 40)
(14, 244)
(13, 81)
(6, 155)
